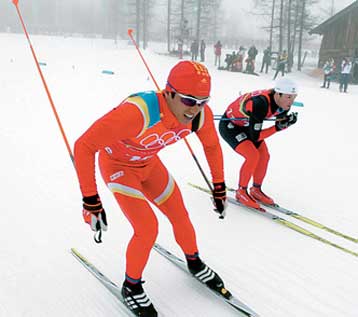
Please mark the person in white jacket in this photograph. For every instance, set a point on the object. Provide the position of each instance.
(346, 68)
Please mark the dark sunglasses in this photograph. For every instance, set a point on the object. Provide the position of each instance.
(191, 101)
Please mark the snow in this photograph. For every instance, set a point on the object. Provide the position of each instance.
(275, 270)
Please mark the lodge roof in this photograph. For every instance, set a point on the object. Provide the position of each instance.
(320, 29)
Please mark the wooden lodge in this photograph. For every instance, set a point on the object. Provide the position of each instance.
(340, 38)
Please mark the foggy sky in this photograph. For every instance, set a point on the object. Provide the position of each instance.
(253, 25)
(238, 19)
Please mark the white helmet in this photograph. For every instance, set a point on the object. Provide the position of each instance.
(286, 86)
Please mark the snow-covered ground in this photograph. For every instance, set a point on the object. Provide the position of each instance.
(275, 270)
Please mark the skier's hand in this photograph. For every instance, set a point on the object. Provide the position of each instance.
(286, 121)
(93, 213)
(219, 198)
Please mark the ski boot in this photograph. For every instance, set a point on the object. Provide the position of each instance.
(244, 198)
(137, 300)
(207, 276)
(256, 192)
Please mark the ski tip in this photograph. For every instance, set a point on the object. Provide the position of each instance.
(78, 255)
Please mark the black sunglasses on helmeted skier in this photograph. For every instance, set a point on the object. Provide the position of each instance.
(188, 100)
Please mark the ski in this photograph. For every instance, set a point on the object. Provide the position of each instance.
(234, 302)
(112, 287)
(283, 222)
(311, 222)
(306, 220)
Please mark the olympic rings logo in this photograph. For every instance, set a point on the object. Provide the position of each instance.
(156, 141)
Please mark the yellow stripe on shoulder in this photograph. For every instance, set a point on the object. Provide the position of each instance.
(140, 103)
(202, 119)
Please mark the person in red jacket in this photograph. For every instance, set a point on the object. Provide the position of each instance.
(217, 52)
(241, 128)
(128, 140)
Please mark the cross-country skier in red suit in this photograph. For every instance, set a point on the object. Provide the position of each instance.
(247, 137)
(128, 139)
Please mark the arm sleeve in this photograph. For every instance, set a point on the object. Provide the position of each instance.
(121, 123)
(209, 138)
(259, 111)
(265, 133)
(259, 108)
(272, 130)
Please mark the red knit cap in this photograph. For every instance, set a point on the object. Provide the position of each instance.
(189, 78)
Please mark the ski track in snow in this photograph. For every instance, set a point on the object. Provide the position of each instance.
(273, 269)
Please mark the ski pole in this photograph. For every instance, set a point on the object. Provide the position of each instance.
(15, 2)
(98, 234)
(130, 31)
(219, 117)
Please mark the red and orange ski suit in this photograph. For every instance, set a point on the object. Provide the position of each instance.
(128, 139)
(241, 128)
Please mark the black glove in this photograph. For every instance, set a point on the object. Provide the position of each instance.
(219, 197)
(286, 121)
(93, 213)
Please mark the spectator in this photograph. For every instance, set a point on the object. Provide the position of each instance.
(180, 48)
(346, 68)
(250, 65)
(229, 61)
(194, 49)
(202, 50)
(281, 62)
(355, 67)
(250, 60)
(242, 51)
(252, 52)
(237, 63)
(328, 69)
(217, 52)
(266, 59)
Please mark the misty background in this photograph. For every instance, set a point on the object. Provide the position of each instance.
(273, 269)
(234, 22)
